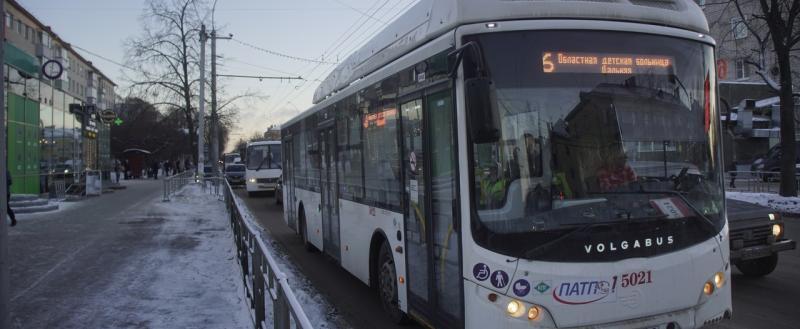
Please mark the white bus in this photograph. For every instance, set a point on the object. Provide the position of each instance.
(263, 160)
(516, 164)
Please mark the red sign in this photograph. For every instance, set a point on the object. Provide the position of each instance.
(722, 69)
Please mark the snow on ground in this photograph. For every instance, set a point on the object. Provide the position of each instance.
(320, 312)
(62, 206)
(187, 277)
(790, 205)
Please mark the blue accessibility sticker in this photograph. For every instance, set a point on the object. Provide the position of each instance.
(499, 279)
(522, 288)
(481, 271)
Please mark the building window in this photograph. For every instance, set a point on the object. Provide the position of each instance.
(738, 28)
(27, 32)
(9, 21)
(741, 69)
(19, 26)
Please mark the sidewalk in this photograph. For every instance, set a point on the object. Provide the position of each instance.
(135, 262)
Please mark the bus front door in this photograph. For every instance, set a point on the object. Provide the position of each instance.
(329, 193)
(432, 241)
(288, 183)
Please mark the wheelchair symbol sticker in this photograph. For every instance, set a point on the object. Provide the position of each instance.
(481, 271)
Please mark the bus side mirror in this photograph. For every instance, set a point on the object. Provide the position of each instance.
(483, 118)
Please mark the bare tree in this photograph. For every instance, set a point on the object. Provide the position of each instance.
(775, 25)
(167, 55)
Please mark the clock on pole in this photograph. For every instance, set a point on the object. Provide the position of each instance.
(52, 69)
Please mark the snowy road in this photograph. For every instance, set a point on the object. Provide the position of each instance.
(127, 260)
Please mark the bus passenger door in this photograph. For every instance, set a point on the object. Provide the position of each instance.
(433, 244)
(329, 193)
(288, 183)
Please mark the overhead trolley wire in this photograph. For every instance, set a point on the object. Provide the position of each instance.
(303, 86)
(275, 53)
(346, 35)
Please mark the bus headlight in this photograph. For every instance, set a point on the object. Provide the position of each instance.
(252, 180)
(772, 217)
(514, 308)
(533, 312)
(708, 288)
(719, 279)
(777, 230)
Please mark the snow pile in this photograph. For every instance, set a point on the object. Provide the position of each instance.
(320, 312)
(789, 205)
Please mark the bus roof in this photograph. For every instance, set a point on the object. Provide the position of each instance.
(429, 19)
(263, 143)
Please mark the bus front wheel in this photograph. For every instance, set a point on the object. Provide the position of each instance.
(387, 286)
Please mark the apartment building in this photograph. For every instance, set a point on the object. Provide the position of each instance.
(46, 141)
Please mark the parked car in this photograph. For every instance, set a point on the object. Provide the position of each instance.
(756, 237)
(234, 173)
(771, 162)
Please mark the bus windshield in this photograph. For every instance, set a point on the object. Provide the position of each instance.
(607, 148)
(264, 157)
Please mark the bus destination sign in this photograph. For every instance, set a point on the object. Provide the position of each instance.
(567, 62)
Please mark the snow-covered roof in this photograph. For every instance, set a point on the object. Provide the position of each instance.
(768, 102)
(429, 19)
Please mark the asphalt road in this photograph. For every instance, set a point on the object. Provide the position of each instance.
(767, 302)
(770, 301)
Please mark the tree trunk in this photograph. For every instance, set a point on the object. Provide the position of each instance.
(788, 143)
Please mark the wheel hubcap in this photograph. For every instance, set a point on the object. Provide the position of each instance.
(387, 284)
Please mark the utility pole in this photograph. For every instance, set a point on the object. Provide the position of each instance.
(5, 305)
(202, 110)
(214, 111)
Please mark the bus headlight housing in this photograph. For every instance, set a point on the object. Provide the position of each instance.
(719, 279)
(533, 312)
(514, 308)
(252, 180)
(708, 288)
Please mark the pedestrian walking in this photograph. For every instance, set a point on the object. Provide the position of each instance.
(167, 168)
(116, 170)
(733, 175)
(154, 168)
(8, 200)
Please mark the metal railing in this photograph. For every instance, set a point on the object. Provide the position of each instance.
(214, 185)
(175, 182)
(755, 181)
(264, 282)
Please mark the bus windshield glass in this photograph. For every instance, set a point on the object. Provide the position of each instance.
(607, 146)
(264, 157)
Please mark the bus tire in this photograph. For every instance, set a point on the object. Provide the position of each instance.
(304, 232)
(387, 286)
(758, 267)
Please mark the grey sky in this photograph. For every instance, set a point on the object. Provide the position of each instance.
(302, 28)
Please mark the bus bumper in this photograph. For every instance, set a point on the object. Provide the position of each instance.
(260, 187)
(480, 312)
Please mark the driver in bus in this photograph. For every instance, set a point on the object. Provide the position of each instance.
(615, 172)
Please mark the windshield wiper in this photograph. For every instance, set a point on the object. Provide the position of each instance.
(261, 164)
